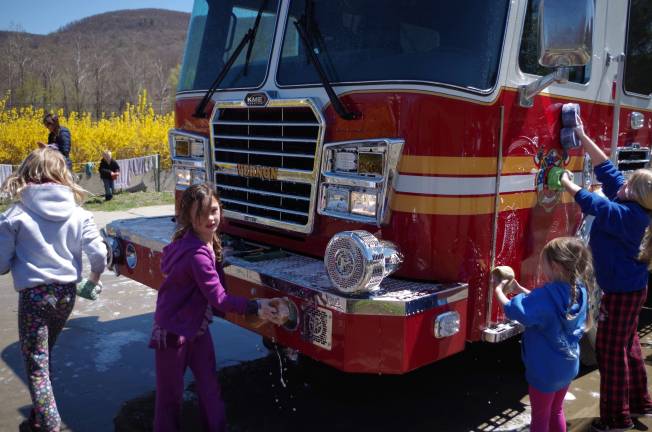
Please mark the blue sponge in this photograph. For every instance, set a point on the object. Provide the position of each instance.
(570, 115)
(568, 138)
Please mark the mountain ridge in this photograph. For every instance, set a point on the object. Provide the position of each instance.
(97, 63)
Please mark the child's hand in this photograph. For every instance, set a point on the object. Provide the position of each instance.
(94, 277)
(566, 177)
(282, 310)
(579, 129)
(265, 310)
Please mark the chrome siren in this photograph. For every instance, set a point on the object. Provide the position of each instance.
(358, 261)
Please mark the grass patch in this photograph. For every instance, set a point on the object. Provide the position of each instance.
(129, 200)
(121, 201)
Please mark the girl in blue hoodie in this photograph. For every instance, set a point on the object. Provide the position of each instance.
(622, 248)
(555, 318)
(42, 237)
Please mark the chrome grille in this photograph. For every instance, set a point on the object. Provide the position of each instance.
(266, 161)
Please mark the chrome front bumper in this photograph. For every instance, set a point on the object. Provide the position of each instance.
(303, 277)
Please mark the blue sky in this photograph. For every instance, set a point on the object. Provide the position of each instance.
(45, 16)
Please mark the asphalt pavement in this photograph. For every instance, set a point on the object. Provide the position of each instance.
(104, 377)
(101, 358)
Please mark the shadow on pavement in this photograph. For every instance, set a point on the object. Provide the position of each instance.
(463, 392)
(96, 365)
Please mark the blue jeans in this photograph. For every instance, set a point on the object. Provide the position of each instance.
(108, 188)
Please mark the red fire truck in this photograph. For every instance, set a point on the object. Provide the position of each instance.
(376, 158)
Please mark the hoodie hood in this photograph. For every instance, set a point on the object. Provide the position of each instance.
(573, 317)
(176, 250)
(51, 201)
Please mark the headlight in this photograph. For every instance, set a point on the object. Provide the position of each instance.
(181, 147)
(358, 261)
(197, 150)
(357, 177)
(364, 203)
(337, 199)
(183, 176)
(187, 146)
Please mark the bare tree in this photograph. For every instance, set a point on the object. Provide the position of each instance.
(99, 67)
(160, 83)
(17, 60)
(135, 67)
(78, 73)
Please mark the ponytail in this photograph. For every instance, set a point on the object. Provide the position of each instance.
(576, 262)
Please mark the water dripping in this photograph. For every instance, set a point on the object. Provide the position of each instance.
(281, 368)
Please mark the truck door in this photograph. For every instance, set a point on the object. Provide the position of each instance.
(632, 118)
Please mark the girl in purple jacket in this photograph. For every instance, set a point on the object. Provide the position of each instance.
(192, 290)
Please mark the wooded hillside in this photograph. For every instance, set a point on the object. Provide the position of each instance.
(97, 64)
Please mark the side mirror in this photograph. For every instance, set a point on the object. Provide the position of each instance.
(565, 40)
(565, 32)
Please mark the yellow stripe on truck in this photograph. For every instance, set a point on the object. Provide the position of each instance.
(466, 206)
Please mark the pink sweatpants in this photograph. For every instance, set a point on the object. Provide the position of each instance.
(547, 410)
(171, 363)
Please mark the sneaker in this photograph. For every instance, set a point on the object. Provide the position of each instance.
(598, 426)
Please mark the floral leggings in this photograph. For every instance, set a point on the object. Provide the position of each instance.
(42, 313)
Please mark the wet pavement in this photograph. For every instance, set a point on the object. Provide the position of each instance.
(104, 371)
(101, 358)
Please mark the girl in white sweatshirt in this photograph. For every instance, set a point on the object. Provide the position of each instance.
(42, 236)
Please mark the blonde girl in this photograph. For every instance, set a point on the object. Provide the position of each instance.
(42, 236)
(621, 258)
(555, 318)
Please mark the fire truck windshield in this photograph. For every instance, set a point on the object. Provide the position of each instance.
(216, 27)
(452, 43)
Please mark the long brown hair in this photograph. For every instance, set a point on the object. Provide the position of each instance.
(574, 260)
(202, 195)
(43, 165)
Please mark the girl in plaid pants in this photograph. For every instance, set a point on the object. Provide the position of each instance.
(621, 257)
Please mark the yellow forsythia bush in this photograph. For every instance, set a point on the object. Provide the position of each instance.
(137, 131)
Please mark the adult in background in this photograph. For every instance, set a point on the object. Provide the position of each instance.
(109, 170)
(59, 137)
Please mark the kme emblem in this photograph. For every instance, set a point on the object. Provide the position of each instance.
(256, 99)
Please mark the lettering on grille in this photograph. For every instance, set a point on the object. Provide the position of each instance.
(258, 171)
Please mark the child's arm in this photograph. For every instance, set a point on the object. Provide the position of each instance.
(208, 280)
(524, 308)
(569, 184)
(521, 288)
(500, 294)
(605, 172)
(93, 247)
(596, 153)
(8, 242)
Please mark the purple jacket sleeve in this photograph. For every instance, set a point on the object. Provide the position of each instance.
(209, 283)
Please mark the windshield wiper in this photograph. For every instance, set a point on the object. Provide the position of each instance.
(305, 35)
(248, 38)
